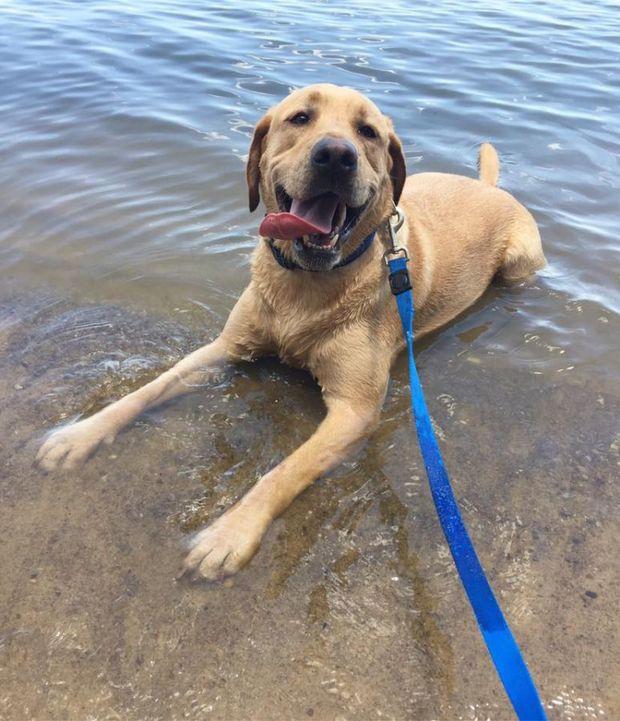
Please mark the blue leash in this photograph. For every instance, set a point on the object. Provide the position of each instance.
(509, 663)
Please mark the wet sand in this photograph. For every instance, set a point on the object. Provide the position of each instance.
(351, 609)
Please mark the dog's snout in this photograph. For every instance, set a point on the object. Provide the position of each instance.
(334, 155)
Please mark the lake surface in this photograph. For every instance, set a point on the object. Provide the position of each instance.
(124, 241)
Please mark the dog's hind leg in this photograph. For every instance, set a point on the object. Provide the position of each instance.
(523, 255)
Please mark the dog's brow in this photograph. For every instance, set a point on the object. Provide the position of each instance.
(363, 118)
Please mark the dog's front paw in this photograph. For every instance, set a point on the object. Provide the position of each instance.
(224, 547)
(70, 446)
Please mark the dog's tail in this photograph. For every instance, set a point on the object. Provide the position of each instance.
(488, 164)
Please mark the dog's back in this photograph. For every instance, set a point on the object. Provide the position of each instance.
(467, 231)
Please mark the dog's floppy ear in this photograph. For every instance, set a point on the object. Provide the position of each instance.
(253, 166)
(398, 169)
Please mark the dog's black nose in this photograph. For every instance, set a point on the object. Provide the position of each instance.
(334, 155)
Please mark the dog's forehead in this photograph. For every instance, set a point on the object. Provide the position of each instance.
(326, 96)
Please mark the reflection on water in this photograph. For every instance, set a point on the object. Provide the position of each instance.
(124, 241)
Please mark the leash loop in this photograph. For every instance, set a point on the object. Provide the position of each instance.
(503, 649)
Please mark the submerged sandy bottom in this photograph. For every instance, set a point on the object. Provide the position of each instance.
(351, 609)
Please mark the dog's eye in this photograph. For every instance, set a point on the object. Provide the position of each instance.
(299, 119)
(367, 131)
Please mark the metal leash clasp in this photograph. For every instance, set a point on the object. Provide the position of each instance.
(396, 257)
(393, 228)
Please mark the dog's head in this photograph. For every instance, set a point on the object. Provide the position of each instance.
(328, 156)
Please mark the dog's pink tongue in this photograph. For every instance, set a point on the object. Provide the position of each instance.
(306, 216)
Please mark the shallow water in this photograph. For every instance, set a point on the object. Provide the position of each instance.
(124, 241)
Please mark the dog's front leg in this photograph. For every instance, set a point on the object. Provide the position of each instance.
(229, 543)
(71, 445)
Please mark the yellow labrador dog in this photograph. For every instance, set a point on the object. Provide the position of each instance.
(330, 169)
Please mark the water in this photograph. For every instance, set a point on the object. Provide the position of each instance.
(124, 241)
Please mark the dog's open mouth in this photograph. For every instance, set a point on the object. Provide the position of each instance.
(318, 222)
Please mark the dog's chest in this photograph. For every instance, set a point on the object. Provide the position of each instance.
(297, 335)
(302, 316)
